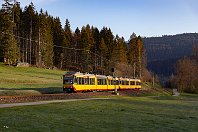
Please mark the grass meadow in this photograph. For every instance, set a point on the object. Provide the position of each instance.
(31, 80)
(160, 113)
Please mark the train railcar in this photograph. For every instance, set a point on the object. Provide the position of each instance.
(79, 82)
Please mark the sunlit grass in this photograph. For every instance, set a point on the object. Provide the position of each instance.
(31, 78)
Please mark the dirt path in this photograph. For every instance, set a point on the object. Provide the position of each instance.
(46, 102)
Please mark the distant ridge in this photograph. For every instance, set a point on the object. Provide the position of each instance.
(163, 52)
(170, 46)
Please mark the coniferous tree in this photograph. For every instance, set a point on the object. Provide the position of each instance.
(108, 37)
(46, 39)
(17, 12)
(84, 42)
(95, 48)
(132, 54)
(103, 52)
(77, 53)
(119, 56)
(1, 36)
(58, 39)
(136, 55)
(67, 51)
(27, 33)
(140, 56)
(10, 50)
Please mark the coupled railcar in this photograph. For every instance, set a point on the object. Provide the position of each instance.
(80, 82)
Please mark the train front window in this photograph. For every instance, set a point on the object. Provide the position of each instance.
(68, 81)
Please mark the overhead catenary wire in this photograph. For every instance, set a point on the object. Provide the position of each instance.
(58, 46)
(65, 47)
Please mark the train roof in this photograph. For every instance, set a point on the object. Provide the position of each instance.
(87, 75)
(101, 76)
(134, 79)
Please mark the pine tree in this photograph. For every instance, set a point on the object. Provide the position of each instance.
(58, 39)
(140, 56)
(136, 55)
(17, 12)
(46, 38)
(119, 56)
(27, 31)
(103, 52)
(67, 52)
(95, 48)
(108, 37)
(10, 50)
(77, 53)
(84, 42)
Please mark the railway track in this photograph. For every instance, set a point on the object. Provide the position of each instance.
(46, 97)
(62, 96)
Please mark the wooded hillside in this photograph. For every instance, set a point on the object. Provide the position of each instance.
(163, 52)
(170, 46)
(39, 39)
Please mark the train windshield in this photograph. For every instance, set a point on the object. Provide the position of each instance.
(68, 80)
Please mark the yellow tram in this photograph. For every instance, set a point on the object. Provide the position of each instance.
(80, 82)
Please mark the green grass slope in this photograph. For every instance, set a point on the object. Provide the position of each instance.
(118, 114)
(32, 80)
(16, 80)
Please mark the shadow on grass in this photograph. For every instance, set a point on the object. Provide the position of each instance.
(47, 90)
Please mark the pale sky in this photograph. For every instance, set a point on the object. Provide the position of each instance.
(144, 17)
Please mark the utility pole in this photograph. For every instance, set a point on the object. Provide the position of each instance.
(39, 48)
(134, 68)
(95, 60)
(26, 52)
(30, 57)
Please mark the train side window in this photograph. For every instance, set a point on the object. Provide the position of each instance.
(86, 81)
(80, 80)
(138, 83)
(83, 81)
(75, 80)
(94, 81)
(102, 82)
(98, 81)
(132, 82)
(112, 82)
(91, 81)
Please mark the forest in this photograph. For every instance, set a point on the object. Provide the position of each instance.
(173, 59)
(170, 46)
(39, 39)
(163, 52)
